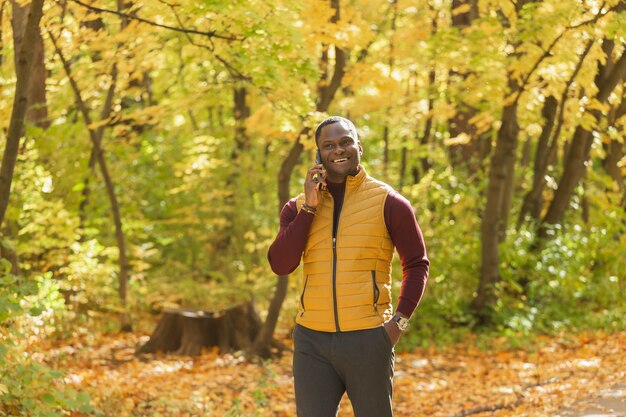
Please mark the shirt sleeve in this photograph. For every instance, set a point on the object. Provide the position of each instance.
(407, 237)
(285, 252)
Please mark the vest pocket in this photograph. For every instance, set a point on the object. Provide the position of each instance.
(306, 279)
(376, 291)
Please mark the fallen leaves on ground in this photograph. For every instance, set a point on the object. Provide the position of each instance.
(552, 373)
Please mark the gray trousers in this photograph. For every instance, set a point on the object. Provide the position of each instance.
(325, 365)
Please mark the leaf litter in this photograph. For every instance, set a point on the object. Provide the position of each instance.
(459, 380)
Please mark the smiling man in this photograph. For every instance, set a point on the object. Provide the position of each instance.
(344, 230)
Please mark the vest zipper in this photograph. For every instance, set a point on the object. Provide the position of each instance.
(335, 283)
(306, 279)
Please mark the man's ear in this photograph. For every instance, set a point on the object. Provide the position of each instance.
(360, 148)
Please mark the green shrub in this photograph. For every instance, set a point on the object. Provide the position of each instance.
(28, 387)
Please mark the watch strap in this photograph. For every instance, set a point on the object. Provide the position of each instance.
(401, 322)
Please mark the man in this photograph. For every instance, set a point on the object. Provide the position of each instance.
(344, 228)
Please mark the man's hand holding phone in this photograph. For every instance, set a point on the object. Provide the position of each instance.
(316, 177)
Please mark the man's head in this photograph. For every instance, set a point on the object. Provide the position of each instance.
(335, 119)
(340, 149)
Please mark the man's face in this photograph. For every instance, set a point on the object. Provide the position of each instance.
(340, 151)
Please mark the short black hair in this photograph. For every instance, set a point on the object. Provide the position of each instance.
(335, 119)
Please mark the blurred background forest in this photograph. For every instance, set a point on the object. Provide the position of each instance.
(148, 147)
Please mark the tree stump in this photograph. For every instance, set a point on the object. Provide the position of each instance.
(187, 331)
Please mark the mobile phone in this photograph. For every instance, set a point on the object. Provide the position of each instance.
(318, 160)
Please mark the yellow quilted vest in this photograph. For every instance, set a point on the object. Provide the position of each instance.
(347, 283)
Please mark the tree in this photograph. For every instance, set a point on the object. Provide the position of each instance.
(500, 187)
(470, 146)
(20, 103)
(502, 165)
(326, 89)
(37, 112)
(547, 143)
(608, 76)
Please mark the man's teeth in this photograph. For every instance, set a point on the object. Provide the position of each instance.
(340, 160)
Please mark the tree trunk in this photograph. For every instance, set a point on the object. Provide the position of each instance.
(187, 331)
(326, 93)
(574, 169)
(428, 127)
(84, 196)
(509, 188)
(546, 148)
(6, 251)
(532, 200)
(2, 7)
(526, 153)
(465, 18)
(500, 186)
(606, 80)
(584, 202)
(614, 154)
(466, 153)
(403, 157)
(509, 183)
(37, 112)
(95, 24)
(424, 141)
(614, 148)
(394, 6)
(423, 163)
(96, 139)
(120, 238)
(20, 103)
(263, 341)
(493, 217)
(385, 150)
(242, 113)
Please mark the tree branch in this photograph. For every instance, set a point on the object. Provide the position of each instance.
(548, 51)
(327, 89)
(209, 34)
(618, 72)
(617, 8)
(108, 102)
(233, 71)
(68, 71)
(561, 118)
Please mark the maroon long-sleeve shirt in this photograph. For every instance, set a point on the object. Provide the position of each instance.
(286, 251)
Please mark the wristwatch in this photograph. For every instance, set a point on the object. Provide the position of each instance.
(401, 322)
